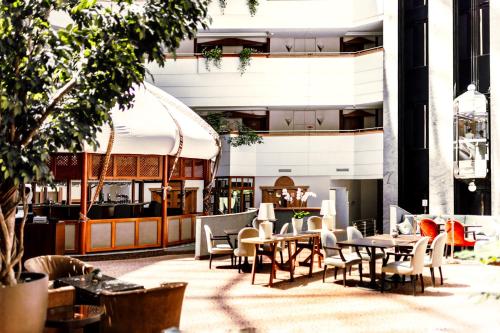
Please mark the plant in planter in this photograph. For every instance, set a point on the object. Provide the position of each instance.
(245, 135)
(222, 5)
(58, 86)
(213, 56)
(245, 58)
(299, 214)
(252, 6)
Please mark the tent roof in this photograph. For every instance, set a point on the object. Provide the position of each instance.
(154, 125)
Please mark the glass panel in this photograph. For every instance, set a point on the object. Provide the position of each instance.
(223, 202)
(148, 232)
(173, 229)
(188, 168)
(125, 233)
(247, 199)
(198, 168)
(100, 234)
(236, 201)
(420, 44)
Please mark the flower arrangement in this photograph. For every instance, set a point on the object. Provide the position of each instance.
(301, 198)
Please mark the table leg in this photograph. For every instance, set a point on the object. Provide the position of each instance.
(273, 264)
(313, 252)
(255, 262)
(291, 260)
(373, 260)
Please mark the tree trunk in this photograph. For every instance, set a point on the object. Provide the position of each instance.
(10, 245)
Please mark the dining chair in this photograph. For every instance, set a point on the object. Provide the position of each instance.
(456, 236)
(314, 223)
(244, 249)
(336, 258)
(354, 233)
(435, 258)
(217, 248)
(429, 228)
(412, 267)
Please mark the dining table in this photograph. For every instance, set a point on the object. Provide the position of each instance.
(382, 242)
(268, 247)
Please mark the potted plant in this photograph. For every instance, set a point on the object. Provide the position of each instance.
(213, 56)
(57, 88)
(245, 58)
(299, 214)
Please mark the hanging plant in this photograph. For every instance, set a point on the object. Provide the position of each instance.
(245, 57)
(212, 56)
(222, 5)
(252, 6)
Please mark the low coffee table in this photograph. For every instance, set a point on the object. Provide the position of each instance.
(88, 288)
(74, 317)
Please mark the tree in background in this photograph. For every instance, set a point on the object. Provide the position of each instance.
(57, 86)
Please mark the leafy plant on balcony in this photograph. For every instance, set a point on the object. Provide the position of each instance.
(252, 6)
(222, 5)
(245, 58)
(212, 56)
(245, 136)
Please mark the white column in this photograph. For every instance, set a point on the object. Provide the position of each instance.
(440, 106)
(495, 105)
(390, 182)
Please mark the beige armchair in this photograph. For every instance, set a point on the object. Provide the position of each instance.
(56, 266)
(143, 310)
(244, 249)
(413, 267)
(314, 223)
(436, 256)
(217, 248)
(336, 258)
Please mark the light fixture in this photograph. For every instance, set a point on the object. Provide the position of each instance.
(288, 121)
(320, 120)
(472, 186)
(328, 211)
(320, 46)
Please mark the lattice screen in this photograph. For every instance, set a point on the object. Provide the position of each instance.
(97, 162)
(149, 166)
(126, 166)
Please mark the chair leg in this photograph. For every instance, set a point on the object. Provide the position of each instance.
(281, 257)
(210, 262)
(360, 267)
(350, 268)
(422, 282)
(324, 274)
(432, 277)
(441, 274)
(446, 250)
(239, 264)
(414, 284)
(344, 273)
(382, 285)
(335, 272)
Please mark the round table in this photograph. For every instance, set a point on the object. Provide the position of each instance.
(73, 317)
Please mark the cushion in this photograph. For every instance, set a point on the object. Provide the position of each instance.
(405, 228)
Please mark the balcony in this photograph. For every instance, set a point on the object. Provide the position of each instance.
(322, 79)
(275, 15)
(337, 154)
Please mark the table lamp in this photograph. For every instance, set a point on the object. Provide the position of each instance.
(266, 214)
(328, 212)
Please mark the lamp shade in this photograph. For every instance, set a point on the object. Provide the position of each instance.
(327, 207)
(266, 212)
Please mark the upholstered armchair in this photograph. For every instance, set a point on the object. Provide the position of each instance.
(143, 310)
(244, 249)
(314, 223)
(456, 235)
(412, 267)
(56, 266)
(216, 248)
(336, 258)
(429, 228)
(435, 258)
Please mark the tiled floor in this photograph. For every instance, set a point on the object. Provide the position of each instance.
(221, 300)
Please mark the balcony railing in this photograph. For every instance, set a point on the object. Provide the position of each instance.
(319, 132)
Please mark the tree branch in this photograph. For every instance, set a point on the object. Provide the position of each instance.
(60, 93)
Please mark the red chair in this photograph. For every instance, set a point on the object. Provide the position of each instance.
(429, 228)
(458, 236)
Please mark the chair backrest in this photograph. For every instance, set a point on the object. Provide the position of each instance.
(314, 223)
(208, 235)
(284, 230)
(437, 247)
(255, 224)
(57, 266)
(458, 231)
(328, 239)
(145, 310)
(244, 249)
(429, 228)
(353, 233)
(418, 251)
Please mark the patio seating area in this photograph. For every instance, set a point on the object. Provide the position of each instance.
(220, 299)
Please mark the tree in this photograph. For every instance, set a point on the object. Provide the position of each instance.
(245, 135)
(57, 86)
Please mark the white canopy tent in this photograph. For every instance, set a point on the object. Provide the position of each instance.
(154, 126)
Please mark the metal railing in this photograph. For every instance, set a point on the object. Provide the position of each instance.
(313, 132)
(368, 227)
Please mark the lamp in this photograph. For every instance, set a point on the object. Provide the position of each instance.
(266, 214)
(472, 186)
(328, 212)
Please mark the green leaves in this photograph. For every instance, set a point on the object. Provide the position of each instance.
(58, 85)
(245, 136)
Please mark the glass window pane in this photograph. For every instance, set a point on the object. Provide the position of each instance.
(198, 168)
(188, 168)
(236, 201)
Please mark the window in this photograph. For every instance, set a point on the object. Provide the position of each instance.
(233, 194)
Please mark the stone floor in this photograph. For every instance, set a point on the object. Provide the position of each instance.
(221, 300)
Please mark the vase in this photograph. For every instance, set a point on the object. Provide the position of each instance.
(266, 230)
(297, 225)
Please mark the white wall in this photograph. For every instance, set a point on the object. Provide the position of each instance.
(275, 81)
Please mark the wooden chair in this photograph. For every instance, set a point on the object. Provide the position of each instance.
(413, 267)
(436, 256)
(336, 258)
(143, 310)
(56, 266)
(216, 248)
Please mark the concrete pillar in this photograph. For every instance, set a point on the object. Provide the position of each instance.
(440, 34)
(390, 112)
(495, 105)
